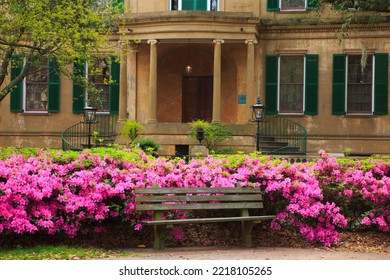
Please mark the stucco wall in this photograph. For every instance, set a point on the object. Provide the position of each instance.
(363, 134)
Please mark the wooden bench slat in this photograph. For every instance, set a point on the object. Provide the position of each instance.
(193, 198)
(155, 190)
(208, 220)
(164, 199)
(201, 206)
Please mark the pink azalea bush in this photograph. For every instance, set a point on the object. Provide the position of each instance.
(73, 192)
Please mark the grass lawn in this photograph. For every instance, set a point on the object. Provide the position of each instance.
(59, 252)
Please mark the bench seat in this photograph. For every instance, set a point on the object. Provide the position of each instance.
(159, 200)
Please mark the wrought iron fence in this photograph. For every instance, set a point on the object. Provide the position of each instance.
(75, 137)
(288, 136)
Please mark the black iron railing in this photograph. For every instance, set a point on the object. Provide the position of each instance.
(75, 137)
(282, 136)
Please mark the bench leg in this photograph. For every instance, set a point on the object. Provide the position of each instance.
(159, 237)
(246, 234)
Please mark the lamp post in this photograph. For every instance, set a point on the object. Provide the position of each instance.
(89, 118)
(258, 116)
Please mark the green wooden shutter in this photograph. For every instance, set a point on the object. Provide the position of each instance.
(271, 84)
(114, 86)
(120, 3)
(338, 87)
(312, 4)
(78, 89)
(54, 86)
(381, 84)
(194, 5)
(311, 84)
(273, 5)
(17, 92)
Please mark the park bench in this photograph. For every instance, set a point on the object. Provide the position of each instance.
(242, 199)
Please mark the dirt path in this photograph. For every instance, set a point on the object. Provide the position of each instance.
(251, 254)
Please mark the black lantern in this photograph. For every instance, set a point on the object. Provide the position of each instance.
(89, 118)
(258, 116)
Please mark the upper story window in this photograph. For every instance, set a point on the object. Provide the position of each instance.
(194, 5)
(291, 5)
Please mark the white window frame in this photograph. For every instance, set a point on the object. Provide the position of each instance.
(304, 85)
(179, 8)
(372, 87)
(293, 10)
(24, 83)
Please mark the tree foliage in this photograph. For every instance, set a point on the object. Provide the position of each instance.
(66, 30)
(360, 5)
(356, 12)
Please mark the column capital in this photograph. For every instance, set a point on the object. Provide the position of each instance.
(152, 41)
(221, 41)
(249, 41)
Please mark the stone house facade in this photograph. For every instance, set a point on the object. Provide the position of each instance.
(279, 50)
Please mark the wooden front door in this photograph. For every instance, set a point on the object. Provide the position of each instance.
(197, 98)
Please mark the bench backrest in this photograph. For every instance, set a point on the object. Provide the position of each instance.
(198, 198)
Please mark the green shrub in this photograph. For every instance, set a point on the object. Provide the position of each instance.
(148, 145)
(130, 129)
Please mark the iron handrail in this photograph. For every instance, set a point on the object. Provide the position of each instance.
(75, 137)
(290, 136)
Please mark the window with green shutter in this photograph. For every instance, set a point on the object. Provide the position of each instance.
(103, 75)
(291, 5)
(194, 5)
(291, 84)
(40, 89)
(360, 88)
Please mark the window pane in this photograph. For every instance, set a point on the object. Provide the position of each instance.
(291, 84)
(293, 4)
(359, 88)
(37, 90)
(175, 5)
(99, 76)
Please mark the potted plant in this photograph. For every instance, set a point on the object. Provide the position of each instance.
(198, 129)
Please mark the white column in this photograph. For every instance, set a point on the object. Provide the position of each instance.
(152, 108)
(250, 75)
(132, 81)
(123, 83)
(217, 81)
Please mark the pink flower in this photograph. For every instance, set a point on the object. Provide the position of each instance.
(366, 221)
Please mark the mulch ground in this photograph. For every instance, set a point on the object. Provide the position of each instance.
(205, 235)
